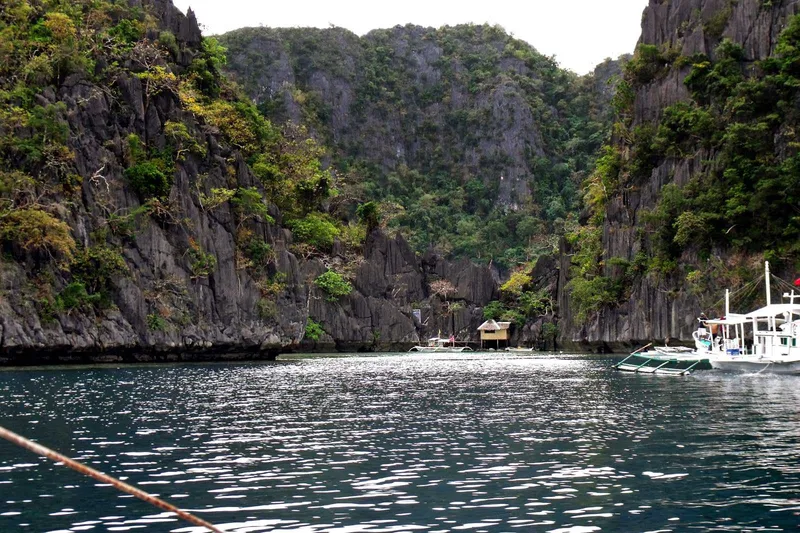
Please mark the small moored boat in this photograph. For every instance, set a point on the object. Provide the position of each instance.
(438, 344)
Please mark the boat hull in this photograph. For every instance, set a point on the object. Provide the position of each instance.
(756, 365)
(440, 349)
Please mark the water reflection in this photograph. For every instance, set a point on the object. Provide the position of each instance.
(446, 442)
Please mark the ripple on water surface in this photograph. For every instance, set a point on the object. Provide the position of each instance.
(390, 443)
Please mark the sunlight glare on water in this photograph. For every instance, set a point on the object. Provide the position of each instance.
(400, 442)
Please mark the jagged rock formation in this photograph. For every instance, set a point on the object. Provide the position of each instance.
(178, 285)
(683, 34)
(697, 27)
(390, 282)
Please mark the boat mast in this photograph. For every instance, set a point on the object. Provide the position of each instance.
(727, 312)
(727, 302)
(772, 322)
(766, 278)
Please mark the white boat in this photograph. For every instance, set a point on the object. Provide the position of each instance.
(519, 349)
(765, 340)
(438, 345)
(776, 342)
(772, 333)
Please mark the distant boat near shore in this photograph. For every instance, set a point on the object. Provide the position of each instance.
(441, 345)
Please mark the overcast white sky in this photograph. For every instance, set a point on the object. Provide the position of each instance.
(579, 33)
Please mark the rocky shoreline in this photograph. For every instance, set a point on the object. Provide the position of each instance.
(244, 354)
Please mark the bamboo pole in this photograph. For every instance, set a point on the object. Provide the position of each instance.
(38, 449)
(642, 348)
(623, 361)
(632, 354)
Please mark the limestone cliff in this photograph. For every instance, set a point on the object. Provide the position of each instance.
(481, 141)
(669, 251)
(129, 201)
(397, 96)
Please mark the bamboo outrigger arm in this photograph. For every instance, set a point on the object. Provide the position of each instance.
(38, 449)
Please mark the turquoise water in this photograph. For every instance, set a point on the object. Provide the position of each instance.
(400, 442)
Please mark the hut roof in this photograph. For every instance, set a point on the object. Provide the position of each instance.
(491, 325)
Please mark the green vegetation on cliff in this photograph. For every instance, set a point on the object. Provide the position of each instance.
(739, 128)
(107, 115)
(470, 140)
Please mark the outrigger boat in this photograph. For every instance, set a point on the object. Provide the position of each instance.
(772, 333)
(774, 330)
(775, 342)
(438, 345)
(519, 349)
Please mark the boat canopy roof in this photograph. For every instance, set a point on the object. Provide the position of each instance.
(730, 320)
(774, 310)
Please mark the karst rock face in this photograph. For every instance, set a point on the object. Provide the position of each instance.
(661, 308)
(416, 105)
(468, 102)
(685, 26)
(164, 309)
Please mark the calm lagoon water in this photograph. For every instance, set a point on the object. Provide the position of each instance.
(400, 442)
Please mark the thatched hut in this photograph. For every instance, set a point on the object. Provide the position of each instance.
(494, 333)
